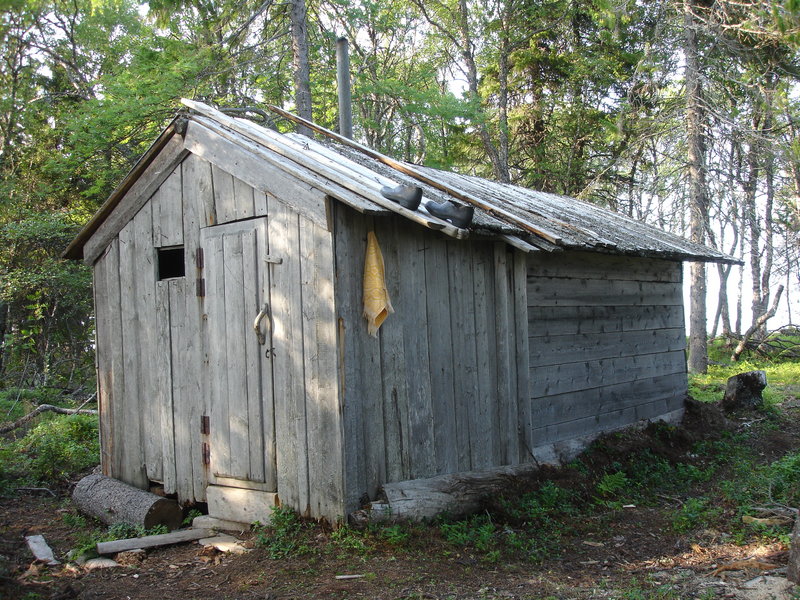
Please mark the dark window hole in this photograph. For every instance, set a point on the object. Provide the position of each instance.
(170, 263)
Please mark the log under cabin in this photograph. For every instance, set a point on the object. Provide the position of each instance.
(235, 366)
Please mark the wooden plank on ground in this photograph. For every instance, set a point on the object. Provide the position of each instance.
(152, 541)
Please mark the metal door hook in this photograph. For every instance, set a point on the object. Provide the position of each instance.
(264, 312)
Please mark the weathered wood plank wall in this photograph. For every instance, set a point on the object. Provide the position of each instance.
(155, 380)
(422, 398)
(606, 338)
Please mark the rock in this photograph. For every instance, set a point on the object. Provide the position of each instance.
(100, 563)
(793, 568)
(224, 543)
(743, 391)
(765, 587)
(131, 558)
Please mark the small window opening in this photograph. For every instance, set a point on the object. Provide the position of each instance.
(170, 263)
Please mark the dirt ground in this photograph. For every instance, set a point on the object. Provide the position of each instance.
(624, 554)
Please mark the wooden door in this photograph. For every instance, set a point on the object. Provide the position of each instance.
(241, 430)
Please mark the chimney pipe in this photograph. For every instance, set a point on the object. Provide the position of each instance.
(343, 83)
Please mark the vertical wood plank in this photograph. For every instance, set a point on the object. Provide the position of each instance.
(483, 432)
(440, 342)
(134, 459)
(235, 356)
(369, 361)
(195, 188)
(224, 199)
(412, 319)
(117, 368)
(243, 199)
(163, 384)
(202, 195)
(507, 418)
(393, 363)
(324, 436)
(260, 203)
(144, 301)
(464, 374)
(523, 395)
(349, 229)
(170, 214)
(253, 301)
(214, 270)
(184, 477)
(290, 418)
(103, 361)
(267, 379)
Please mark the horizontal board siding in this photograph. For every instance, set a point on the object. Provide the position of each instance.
(437, 392)
(563, 320)
(606, 342)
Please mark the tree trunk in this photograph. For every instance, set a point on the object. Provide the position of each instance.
(113, 501)
(698, 196)
(300, 68)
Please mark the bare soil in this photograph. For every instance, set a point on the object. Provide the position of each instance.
(627, 553)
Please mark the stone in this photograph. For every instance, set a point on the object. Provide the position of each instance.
(100, 563)
(743, 391)
(793, 567)
(765, 587)
(224, 543)
(207, 522)
(131, 558)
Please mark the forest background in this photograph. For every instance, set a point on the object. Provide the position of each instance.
(681, 114)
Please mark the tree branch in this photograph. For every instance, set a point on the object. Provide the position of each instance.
(757, 325)
(44, 408)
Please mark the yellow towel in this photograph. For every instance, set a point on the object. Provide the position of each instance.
(377, 305)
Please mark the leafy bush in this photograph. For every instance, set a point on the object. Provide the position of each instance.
(53, 451)
(285, 536)
(695, 513)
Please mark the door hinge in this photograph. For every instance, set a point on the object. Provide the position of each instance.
(198, 258)
(201, 287)
(206, 453)
(205, 424)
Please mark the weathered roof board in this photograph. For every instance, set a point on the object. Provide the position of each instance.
(353, 175)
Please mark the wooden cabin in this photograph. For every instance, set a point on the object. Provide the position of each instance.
(234, 364)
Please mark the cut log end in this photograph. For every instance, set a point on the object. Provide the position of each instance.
(113, 501)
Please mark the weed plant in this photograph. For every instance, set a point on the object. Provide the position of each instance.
(51, 452)
(285, 536)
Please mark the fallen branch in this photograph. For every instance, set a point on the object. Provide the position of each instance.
(757, 325)
(44, 408)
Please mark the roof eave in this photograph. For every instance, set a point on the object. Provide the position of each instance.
(75, 249)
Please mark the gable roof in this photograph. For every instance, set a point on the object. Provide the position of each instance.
(354, 175)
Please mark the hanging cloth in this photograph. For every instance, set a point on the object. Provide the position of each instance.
(377, 305)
